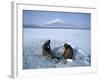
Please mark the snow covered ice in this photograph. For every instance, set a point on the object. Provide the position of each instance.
(33, 40)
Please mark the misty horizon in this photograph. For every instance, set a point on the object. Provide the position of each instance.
(51, 19)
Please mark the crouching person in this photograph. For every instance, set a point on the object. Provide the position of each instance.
(68, 52)
(46, 49)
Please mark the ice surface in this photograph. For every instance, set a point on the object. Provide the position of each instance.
(80, 40)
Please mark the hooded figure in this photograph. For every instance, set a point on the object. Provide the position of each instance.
(68, 51)
(46, 49)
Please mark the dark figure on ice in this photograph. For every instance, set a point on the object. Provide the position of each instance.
(68, 51)
(46, 49)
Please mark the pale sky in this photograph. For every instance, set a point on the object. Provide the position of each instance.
(31, 17)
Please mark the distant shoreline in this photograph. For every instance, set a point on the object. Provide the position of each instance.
(56, 28)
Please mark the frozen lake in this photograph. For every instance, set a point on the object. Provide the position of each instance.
(33, 39)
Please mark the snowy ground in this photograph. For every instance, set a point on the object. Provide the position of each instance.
(34, 38)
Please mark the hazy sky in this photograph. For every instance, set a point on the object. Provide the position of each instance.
(41, 17)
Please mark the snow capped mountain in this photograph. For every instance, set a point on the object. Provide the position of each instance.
(56, 23)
